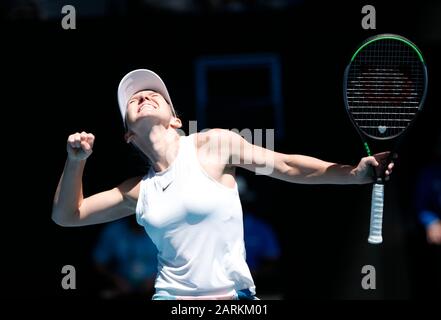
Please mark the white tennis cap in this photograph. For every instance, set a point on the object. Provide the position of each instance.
(138, 80)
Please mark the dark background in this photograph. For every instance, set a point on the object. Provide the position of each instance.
(56, 82)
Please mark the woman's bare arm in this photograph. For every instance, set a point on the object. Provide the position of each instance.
(70, 208)
(233, 150)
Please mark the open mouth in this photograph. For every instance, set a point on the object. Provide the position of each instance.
(146, 105)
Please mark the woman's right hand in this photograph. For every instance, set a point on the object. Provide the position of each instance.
(80, 145)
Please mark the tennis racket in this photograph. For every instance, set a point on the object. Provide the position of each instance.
(384, 88)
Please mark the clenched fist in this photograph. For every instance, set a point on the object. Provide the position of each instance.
(79, 145)
(363, 171)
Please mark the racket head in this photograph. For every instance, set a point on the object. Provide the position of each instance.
(385, 86)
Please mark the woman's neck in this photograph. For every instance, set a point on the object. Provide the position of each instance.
(160, 145)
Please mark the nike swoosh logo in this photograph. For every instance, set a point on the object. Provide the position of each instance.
(165, 188)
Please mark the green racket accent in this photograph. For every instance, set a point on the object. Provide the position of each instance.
(390, 37)
(367, 149)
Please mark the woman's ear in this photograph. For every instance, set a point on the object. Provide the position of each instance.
(176, 123)
(129, 136)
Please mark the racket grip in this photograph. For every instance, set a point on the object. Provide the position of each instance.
(375, 236)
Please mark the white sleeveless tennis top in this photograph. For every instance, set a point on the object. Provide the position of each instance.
(196, 224)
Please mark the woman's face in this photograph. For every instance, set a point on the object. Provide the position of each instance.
(148, 105)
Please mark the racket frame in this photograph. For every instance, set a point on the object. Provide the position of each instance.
(375, 232)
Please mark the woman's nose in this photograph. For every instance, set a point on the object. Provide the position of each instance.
(144, 98)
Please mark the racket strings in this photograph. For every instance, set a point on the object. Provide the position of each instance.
(385, 86)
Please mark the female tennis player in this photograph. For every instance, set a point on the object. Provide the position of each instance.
(188, 200)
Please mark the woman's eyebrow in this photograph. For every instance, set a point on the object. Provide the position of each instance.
(136, 96)
(149, 92)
